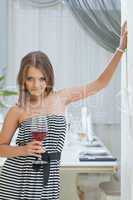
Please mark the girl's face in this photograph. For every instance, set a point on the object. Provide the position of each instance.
(35, 82)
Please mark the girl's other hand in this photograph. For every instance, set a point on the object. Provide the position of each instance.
(123, 37)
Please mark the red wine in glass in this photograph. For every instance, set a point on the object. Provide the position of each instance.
(39, 130)
(39, 135)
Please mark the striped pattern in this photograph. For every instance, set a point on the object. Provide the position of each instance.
(18, 180)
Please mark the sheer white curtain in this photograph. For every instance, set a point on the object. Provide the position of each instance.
(127, 108)
(76, 58)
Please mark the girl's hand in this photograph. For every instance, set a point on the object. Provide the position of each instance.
(123, 37)
(33, 148)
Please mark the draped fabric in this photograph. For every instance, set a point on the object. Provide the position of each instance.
(43, 3)
(100, 18)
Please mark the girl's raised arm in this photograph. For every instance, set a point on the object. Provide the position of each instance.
(76, 93)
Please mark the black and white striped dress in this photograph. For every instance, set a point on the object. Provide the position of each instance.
(17, 178)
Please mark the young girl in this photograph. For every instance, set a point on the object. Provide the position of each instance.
(19, 179)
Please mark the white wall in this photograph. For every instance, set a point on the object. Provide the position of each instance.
(110, 134)
(3, 32)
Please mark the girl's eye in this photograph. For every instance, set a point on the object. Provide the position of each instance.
(29, 78)
(42, 79)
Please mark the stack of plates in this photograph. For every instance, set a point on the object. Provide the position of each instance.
(96, 155)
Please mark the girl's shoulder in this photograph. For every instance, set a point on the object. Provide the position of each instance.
(15, 109)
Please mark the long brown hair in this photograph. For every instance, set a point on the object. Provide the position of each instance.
(40, 61)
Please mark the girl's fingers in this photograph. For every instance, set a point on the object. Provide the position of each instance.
(34, 148)
(38, 149)
(36, 143)
(36, 155)
(124, 28)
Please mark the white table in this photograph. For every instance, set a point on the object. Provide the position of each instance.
(74, 173)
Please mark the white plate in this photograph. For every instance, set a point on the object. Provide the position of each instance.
(95, 151)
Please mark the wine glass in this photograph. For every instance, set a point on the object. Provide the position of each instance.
(39, 131)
